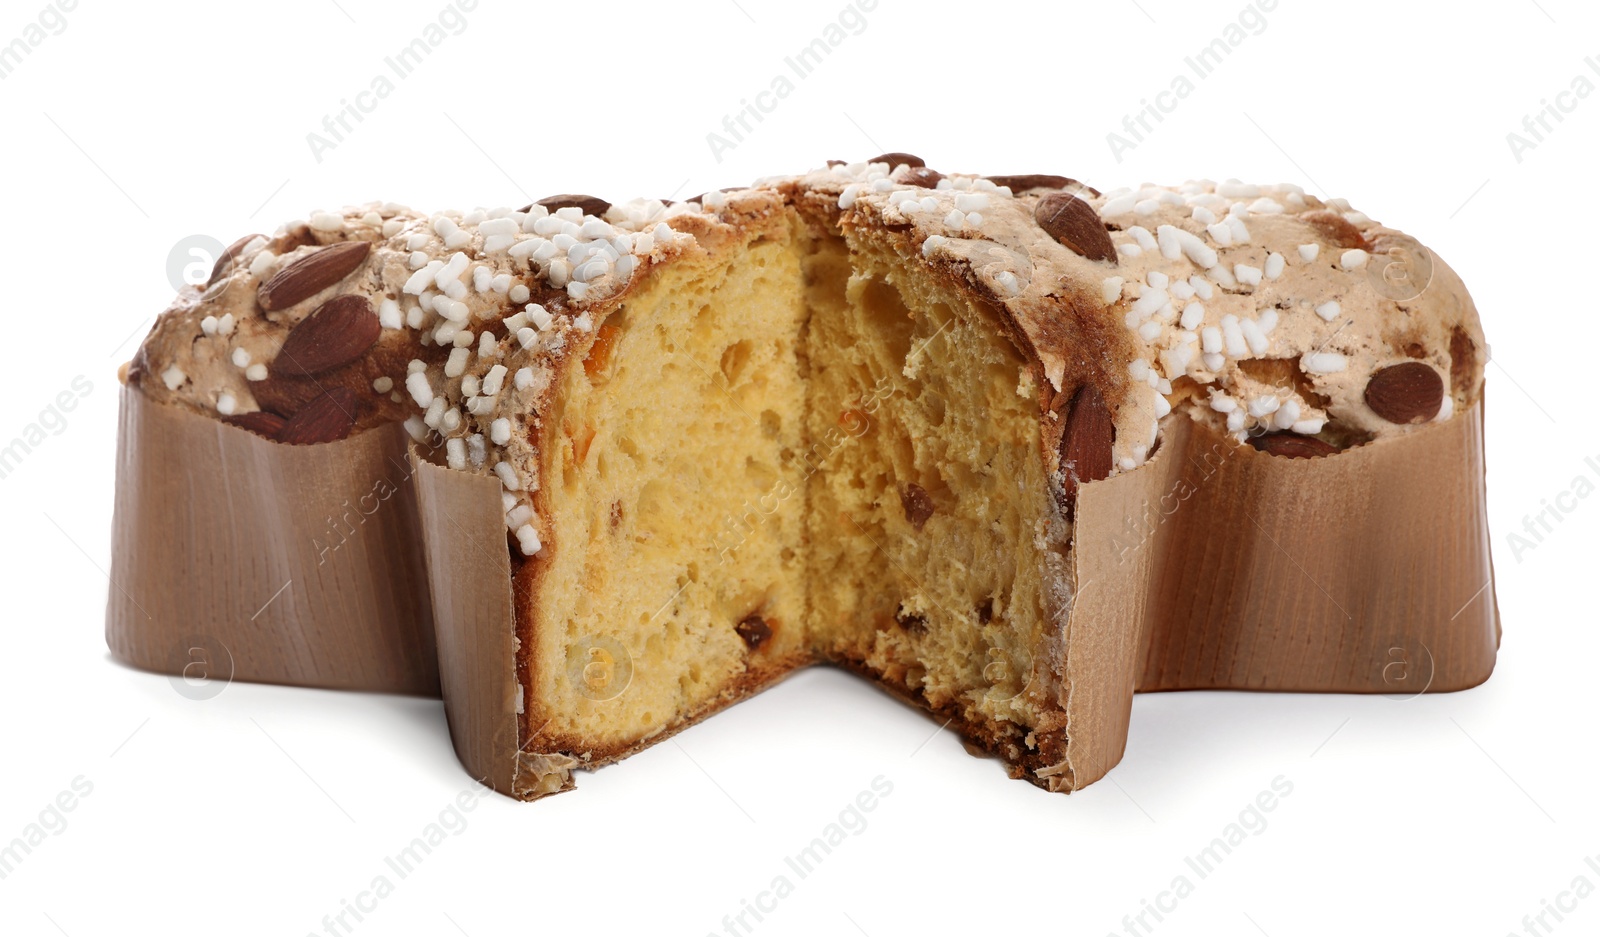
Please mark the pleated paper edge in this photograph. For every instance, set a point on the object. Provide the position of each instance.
(468, 596)
(1131, 527)
(219, 572)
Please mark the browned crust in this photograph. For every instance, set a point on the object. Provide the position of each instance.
(1004, 740)
(764, 676)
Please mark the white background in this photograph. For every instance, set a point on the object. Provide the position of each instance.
(263, 809)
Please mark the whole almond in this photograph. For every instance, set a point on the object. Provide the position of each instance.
(260, 422)
(589, 204)
(339, 332)
(1410, 392)
(227, 257)
(898, 159)
(1075, 224)
(311, 274)
(1086, 444)
(1292, 445)
(1038, 180)
(922, 176)
(328, 418)
(283, 395)
(702, 196)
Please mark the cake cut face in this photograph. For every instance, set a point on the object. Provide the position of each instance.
(672, 458)
(932, 517)
(842, 417)
(754, 469)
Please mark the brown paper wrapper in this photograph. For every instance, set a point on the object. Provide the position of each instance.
(1217, 566)
(469, 569)
(235, 557)
(1212, 567)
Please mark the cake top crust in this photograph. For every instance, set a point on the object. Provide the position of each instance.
(1298, 323)
(1260, 309)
